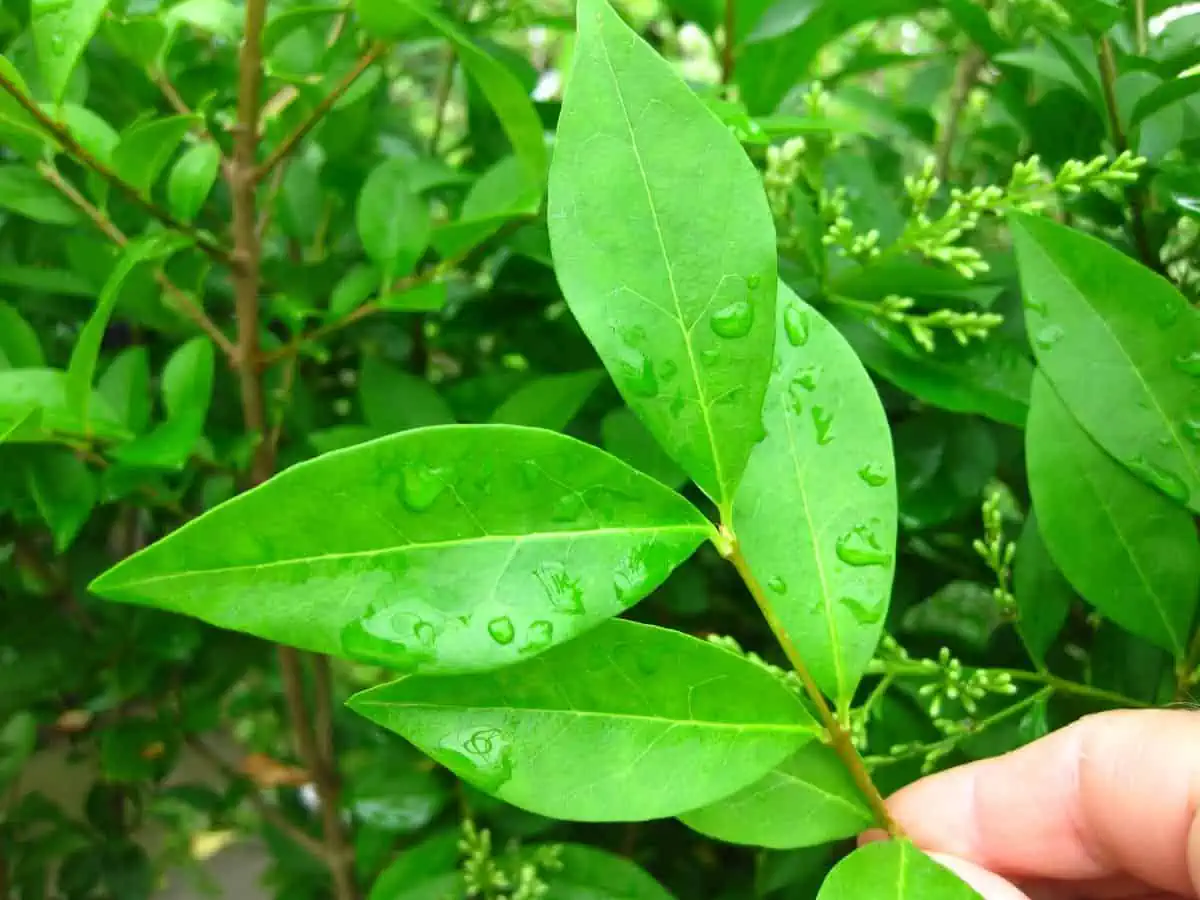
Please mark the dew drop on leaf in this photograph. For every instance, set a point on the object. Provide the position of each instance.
(424, 632)
(795, 399)
(807, 378)
(422, 486)
(732, 321)
(568, 508)
(539, 636)
(1191, 430)
(482, 756)
(795, 325)
(531, 473)
(56, 43)
(1189, 363)
(640, 570)
(1036, 306)
(710, 356)
(860, 547)
(872, 475)
(777, 584)
(823, 423)
(637, 372)
(1163, 479)
(501, 630)
(563, 591)
(753, 281)
(863, 614)
(390, 637)
(669, 369)
(1048, 336)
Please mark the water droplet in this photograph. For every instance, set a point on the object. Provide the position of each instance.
(1163, 479)
(531, 473)
(823, 423)
(390, 637)
(807, 377)
(425, 633)
(777, 584)
(710, 356)
(56, 43)
(1048, 337)
(669, 369)
(1037, 306)
(873, 475)
(677, 404)
(795, 325)
(1191, 430)
(795, 398)
(1188, 363)
(860, 547)
(422, 486)
(637, 372)
(539, 636)
(732, 321)
(753, 281)
(863, 614)
(1168, 313)
(501, 630)
(563, 591)
(642, 569)
(482, 756)
(569, 508)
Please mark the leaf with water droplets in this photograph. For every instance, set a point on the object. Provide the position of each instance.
(665, 249)
(626, 723)
(892, 870)
(443, 549)
(807, 799)
(61, 32)
(1096, 316)
(817, 506)
(1127, 549)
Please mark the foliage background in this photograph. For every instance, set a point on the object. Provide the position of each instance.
(472, 329)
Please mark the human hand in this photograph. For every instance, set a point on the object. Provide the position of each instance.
(1106, 808)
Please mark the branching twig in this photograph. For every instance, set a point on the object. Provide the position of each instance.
(182, 301)
(80, 153)
(319, 111)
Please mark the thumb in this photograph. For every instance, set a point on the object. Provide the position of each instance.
(988, 885)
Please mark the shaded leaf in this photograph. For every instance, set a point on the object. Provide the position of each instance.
(64, 491)
(125, 384)
(27, 194)
(45, 390)
(393, 220)
(145, 149)
(626, 723)
(19, 344)
(549, 402)
(589, 873)
(624, 436)
(1042, 593)
(394, 400)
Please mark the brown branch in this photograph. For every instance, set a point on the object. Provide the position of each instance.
(269, 812)
(288, 144)
(840, 739)
(82, 155)
(182, 301)
(965, 76)
(442, 100)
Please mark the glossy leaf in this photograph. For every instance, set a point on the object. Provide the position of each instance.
(24, 192)
(1127, 549)
(147, 147)
(394, 400)
(677, 299)
(192, 178)
(61, 32)
(64, 491)
(807, 799)
(1043, 595)
(1104, 353)
(19, 344)
(45, 390)
(589, 873)
(892, 870)
(816, 513)
(626, 723)
(549, 402)
(441, 549)
(393, 220)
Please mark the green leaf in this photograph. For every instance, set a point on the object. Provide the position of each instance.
(435, 857)
(1097, 16)
(187, 385)
(218, 17)
(93, 133)
(815, 516)
(1128, 371)
(990, 378)
(393, 220)
(1166, 94)
(626, 723)
(807, 799)
(64, 491)
(428, 297)
(549, 402)
(145, 149)
(192, 178)
(1042, 593)
(19, 129)
(1159, 132)
(18, 740)
(353, 290)
(85, 354)
(665, 250)
(27, 194)
(502, 193)
(45, 390)
(61, 32)
(446, 549)
(125, 384)
(892, 870)
(19, 344)
(394, 400)
(625, 437)
(589, 873)
(16, 421)
(1126, 548)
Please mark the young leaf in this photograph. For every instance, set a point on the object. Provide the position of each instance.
(589, 873)
(1126, 548)
(807, 799)
(45, 390)
(393, 220)
(815, 516)
(19, 344)
(892, 870)
(549, 402)
(192, 178)
(442, 549)
(1111, 335)
(626, 723)
(1043, 595)
(665, 250)
(64, 491)
(145, 149)
(61, 32)
(394, 400)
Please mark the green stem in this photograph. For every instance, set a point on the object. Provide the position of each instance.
(1139, 27)
(839, 737)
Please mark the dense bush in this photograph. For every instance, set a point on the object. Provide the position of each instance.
(422, 343)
